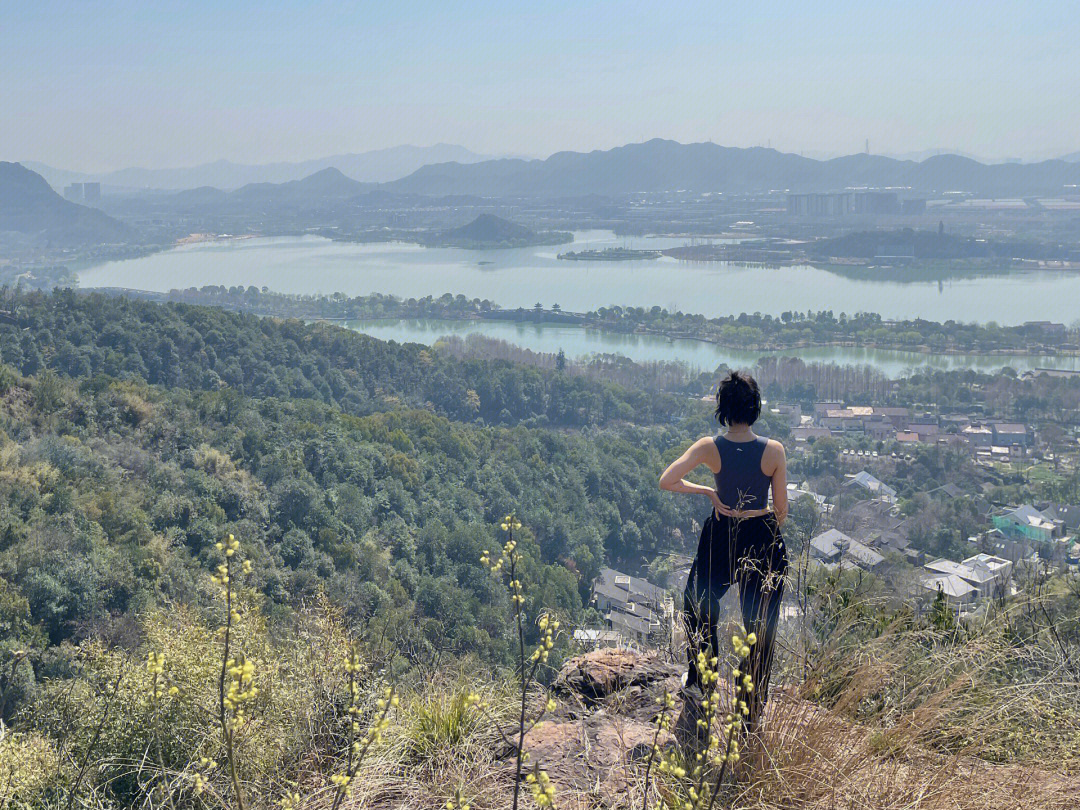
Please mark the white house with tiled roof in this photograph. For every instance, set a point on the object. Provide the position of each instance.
(957, 590)
(987, 574)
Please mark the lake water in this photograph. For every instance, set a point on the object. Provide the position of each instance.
(522, 277)
(578, 342)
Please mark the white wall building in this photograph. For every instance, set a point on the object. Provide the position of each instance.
(986, 574)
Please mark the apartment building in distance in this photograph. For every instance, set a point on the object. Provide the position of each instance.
(83, 192)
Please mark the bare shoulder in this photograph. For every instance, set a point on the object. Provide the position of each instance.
(704, 450)
(773, 457)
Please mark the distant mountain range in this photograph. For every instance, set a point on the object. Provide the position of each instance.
(28, 206)
(922, 154)
(660, 165)
(650, 166)
(378, 166)
(323, 190)
(324, 184)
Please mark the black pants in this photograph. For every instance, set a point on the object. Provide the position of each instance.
(749, 552)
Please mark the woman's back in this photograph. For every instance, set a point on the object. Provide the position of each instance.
(741, 483)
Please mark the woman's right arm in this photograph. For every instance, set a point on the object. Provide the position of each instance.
(674, 477)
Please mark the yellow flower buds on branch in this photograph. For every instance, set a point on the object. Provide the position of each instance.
(358, 747)
(236, 686)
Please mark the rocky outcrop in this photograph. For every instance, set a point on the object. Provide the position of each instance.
(600, 674)
(607, 702)
(623, 681)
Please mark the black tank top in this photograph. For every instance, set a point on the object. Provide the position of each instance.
(740, 483)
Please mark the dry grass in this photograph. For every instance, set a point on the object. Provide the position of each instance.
(809, 758)
(814, 759)
(901, 718)
(893, 716)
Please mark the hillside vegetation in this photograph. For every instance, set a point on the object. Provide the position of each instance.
(792, 329)
(206, 349)
(933, 245)
(135, 435)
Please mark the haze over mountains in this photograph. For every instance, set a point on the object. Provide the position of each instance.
(327, 194)
(28, 206)
(377, 166)
(660, 165)
(31, 207)
(650, 166)
(326, 183)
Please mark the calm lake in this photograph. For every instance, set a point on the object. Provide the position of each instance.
(522, 277)
(578, 342)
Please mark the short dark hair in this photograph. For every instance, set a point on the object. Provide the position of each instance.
(738, 400)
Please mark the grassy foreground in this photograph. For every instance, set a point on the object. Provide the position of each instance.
(870, 710)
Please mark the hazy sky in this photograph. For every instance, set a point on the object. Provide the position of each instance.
(96, 85)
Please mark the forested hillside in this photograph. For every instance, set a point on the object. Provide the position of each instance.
(202, 348)
(141, 433)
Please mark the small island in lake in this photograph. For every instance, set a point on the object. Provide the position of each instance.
(490, 231)
(610, 255)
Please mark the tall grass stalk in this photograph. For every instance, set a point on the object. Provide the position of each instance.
(235, 678)
(111, 691)
(509, 563)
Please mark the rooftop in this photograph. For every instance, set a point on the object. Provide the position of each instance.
(892, 411)
(611, 582)
(1028, 515)
(870, 482)
(632, 624)
(977, 570)
(1067, 513)
(834, 543)
(949, 584)
(1010, 427)
(991, 561)
(948, 567)
(597, 635)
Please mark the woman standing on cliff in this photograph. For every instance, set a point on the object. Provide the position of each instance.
(741, 540)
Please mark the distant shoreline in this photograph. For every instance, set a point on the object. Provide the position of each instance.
(198, 238)
(276, 307)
